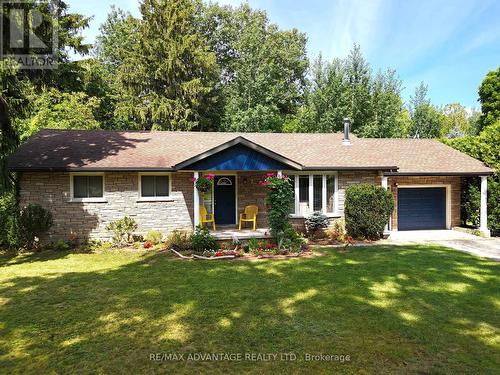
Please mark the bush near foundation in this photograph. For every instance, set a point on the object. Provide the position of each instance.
(367, 210)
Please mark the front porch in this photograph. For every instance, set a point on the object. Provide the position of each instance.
(231, 232)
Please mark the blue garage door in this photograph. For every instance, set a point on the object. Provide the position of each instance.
(421, 208)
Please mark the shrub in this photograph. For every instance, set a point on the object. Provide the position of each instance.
(316, 222)
(179, 240)
(154, 236)
(367, 210)
(337, 231)
(60, 245)
(470, 201)
(253, 245)
(122, 230)
(34, 220)
(9, 224)
(202, 240)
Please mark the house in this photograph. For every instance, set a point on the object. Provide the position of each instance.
(90, 178)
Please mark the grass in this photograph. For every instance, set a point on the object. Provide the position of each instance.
(412, 309)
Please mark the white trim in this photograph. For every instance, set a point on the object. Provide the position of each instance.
(196, 201)
(296, 188)
(323, 193)
(483, 210)
(384, 185)
(295, 175)
(162, 198)
(72, 199)
(311, 194)
(448, 198)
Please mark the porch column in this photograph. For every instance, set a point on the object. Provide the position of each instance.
(279, 174)
(483, 216)
(196, 200)
(384, 185)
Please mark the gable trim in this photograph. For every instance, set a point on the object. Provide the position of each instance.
(240, 141)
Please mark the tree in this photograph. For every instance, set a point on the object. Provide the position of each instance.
(489, 96)
(168, 78)
(346, 88)
(60, 110)
(262, 68)
(358, 74)
(18, 85)
(485, 148)
(387, 119)
(426, 119)
(119, 35)
(456, 121)
(327, 98)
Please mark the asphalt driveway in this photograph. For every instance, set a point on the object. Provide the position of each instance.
(483, 247)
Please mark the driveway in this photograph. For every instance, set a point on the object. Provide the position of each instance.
(483, 247)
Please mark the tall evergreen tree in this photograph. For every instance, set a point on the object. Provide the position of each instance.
(168, 78)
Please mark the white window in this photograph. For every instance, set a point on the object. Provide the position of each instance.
(315, 192)
(87, 187)
(154, 186)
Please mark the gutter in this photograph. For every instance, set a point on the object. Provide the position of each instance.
(464, 174)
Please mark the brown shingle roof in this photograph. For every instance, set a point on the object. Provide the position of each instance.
(109, 150)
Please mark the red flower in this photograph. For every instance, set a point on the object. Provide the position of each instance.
(219, 254)
(210, 176)
(193, 179)
(147, 245)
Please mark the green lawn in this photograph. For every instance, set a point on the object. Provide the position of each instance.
(392, 309)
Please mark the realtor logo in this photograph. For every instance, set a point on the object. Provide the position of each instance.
(29, 33)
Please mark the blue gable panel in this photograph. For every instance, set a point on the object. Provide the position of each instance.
(238, 158)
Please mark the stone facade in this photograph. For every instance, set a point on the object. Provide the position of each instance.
(88, 220)
(453, 182)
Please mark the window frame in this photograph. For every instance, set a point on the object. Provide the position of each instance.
(295, 176)
(87, 199)
(162, 198)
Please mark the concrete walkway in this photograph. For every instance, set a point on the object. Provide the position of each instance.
(483, 247)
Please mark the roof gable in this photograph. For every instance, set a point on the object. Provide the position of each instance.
(238, 154)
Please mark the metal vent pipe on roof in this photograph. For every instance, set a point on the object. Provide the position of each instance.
(347, 128)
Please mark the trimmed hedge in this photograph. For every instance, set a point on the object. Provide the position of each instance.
(367, 210)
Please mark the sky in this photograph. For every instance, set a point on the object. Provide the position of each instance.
(448, 44)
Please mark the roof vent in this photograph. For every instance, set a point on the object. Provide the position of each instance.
(347, 128)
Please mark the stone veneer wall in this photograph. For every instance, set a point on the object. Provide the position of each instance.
(88, 220)
(453, 181)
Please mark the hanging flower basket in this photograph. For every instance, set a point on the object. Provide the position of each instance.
(204, 183)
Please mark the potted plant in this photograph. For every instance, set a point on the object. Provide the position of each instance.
(204, 183)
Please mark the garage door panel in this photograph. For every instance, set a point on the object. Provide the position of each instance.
(421, 208)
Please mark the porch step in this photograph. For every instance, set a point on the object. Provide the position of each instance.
(244, 234)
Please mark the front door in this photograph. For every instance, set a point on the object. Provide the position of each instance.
(225, 200)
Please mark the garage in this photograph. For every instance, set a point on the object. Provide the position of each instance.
(421, 208)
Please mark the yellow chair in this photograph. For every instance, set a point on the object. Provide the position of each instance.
(250, 215)
(206, 217)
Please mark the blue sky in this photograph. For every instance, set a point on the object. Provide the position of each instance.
(448, 44)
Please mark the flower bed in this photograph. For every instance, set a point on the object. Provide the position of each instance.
(253, 249)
